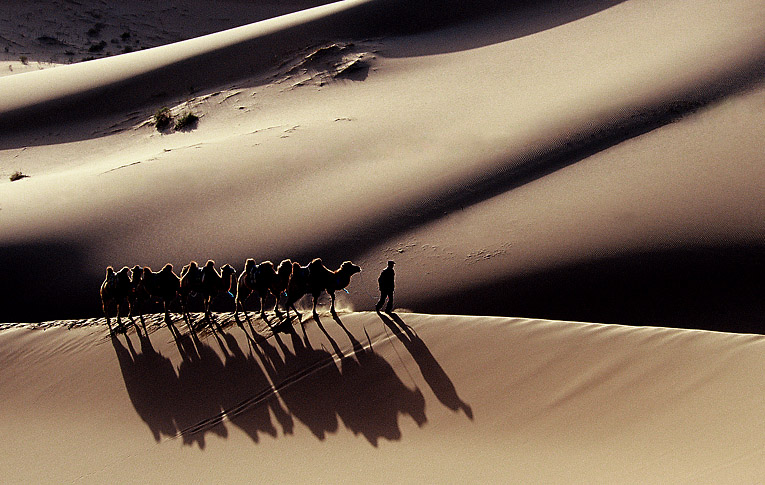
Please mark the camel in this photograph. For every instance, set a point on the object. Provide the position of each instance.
(137, 293)
(320, 278)
(245, 286)
(297, 288)
(191, 281)
(163, 286)
(281, 282)
(115, 289)
(274, 281)
(209, 283)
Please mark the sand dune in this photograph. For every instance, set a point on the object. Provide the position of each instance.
(598, 162)
(377, 398)
(637, 140)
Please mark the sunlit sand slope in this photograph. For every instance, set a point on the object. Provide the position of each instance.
(601, 158)
(376, 398)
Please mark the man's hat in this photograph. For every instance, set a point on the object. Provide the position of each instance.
(391, 263)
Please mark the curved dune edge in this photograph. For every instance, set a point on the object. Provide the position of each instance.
(414, 397)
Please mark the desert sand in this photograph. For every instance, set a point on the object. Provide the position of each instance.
(573, 193)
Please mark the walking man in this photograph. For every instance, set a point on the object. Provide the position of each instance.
(386, 284)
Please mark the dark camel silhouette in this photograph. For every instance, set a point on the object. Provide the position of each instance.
(269, 280)
(214, 283)
(163, 286)
(115, 290)
(137, 294)
(245, 286)
(321, 279)
(190, 283)
(297, 288)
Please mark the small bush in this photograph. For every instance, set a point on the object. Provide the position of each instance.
(17, 176)
(24, 60)
(187, 121)
(163, 118)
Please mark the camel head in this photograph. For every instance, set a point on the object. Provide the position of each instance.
(350, 268)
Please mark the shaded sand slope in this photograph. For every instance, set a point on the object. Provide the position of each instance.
(367, 397)
(509, 157)
(63, 31)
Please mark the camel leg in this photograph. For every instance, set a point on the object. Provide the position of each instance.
(262, 306)
(315, 301)
(299, 315)
(206, 302)
(168, 318)
(276, 306)
(332, 306)
(135, 306)
(237, 304)
(186, 315)
(119, 321)
(185, 310)
(106, 314)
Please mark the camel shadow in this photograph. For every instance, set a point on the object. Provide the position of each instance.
(249, 383)
(198, 396)
(321, 392)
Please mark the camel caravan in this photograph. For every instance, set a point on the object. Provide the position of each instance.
(137, 286)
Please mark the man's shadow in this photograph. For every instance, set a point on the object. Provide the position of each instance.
(431, 370)
(373, 396)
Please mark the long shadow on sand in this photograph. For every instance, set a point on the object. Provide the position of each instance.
(317, 392)
(717, 288)
(431, 370)
(188, 402)
(285, 376)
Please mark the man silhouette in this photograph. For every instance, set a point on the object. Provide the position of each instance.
(386, 283)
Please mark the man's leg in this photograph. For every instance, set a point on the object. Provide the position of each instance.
(389, 307)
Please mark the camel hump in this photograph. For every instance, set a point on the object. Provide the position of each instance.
(210, 263)
(316, 262)
(109, 271)
(167, 268)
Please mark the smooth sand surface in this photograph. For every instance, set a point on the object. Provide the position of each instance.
(543, 162)
(412, 397)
